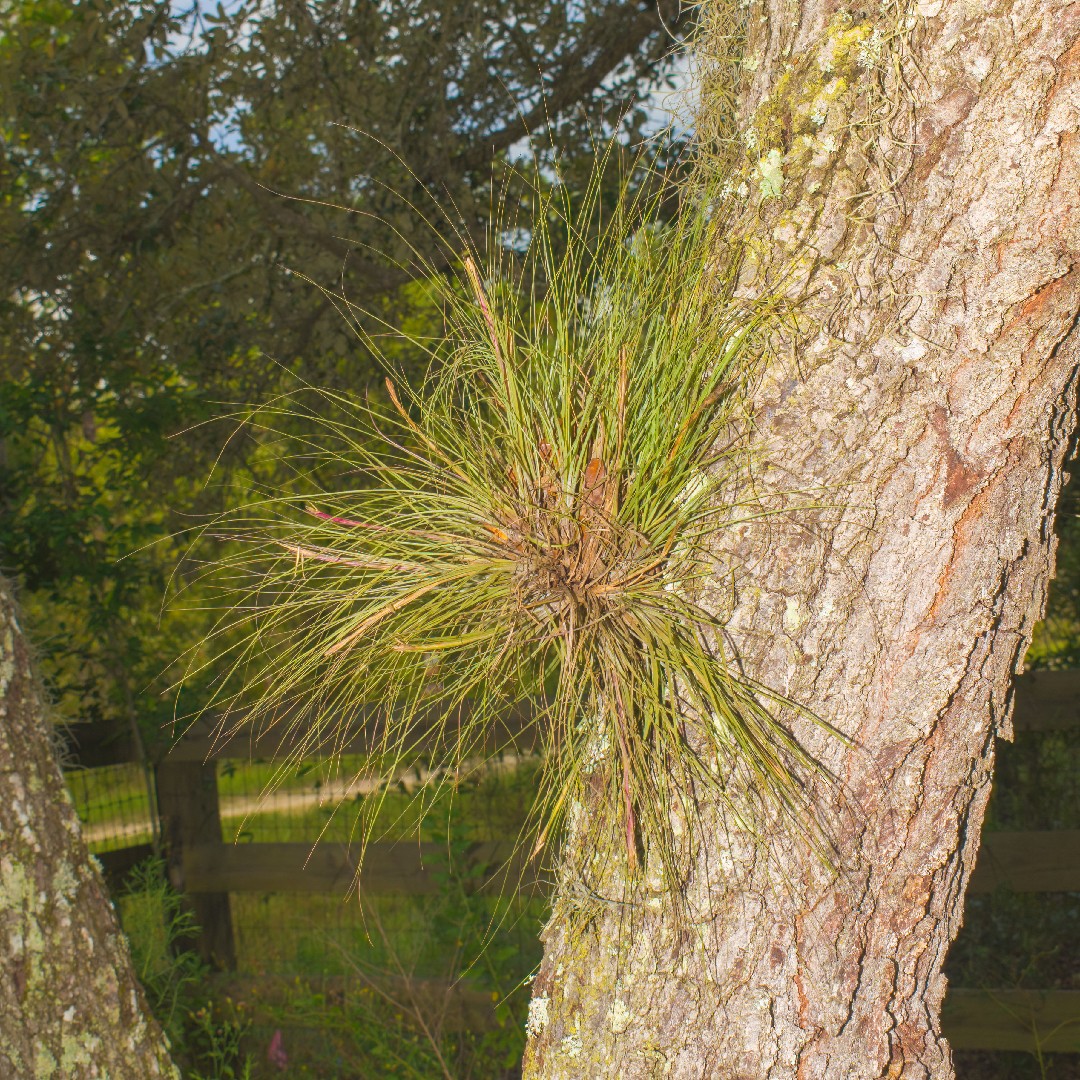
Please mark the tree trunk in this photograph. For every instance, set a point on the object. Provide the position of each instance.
(70, 1005)
(925, 189)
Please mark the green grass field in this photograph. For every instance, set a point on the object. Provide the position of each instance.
(305, 960)
(309, 965)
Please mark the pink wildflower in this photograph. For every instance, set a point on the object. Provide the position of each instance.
(275, 1052)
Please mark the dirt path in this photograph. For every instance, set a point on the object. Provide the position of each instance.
(284, 800)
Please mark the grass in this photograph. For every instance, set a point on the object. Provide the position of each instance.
(368, 980)
(312, 936)
(108, 793)
(349, 990)
(488, 807)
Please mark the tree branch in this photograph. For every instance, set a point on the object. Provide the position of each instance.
(602, 46)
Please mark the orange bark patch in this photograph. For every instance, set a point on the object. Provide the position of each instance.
(1067, 69)
(960, 478)
(1039, 306)
(969, 514)
(804, 1002)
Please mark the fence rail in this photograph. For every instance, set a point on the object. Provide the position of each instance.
(971, 1019)
(1012, 1020)
(1028, 862)
(1020, 861)
(1044, 701)
(403, 867)
(208, 871)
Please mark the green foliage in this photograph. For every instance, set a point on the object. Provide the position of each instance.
(157, 925)
(216, 1042)
(1056, 642)
(156, 922)
(410, 947)
(532, 524)
(393, 1012)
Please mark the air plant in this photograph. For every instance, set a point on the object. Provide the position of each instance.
(533, 523)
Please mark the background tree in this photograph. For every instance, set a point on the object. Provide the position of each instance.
(70, 1004)
(160, 167)
(914, 170)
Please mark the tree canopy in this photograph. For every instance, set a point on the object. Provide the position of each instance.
(162, 168)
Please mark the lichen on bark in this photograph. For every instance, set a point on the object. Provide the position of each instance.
(70, 1004)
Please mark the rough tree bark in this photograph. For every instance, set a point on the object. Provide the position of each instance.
(931, 396)
(70, 1005)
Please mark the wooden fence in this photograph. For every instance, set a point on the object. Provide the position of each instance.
(207, 870)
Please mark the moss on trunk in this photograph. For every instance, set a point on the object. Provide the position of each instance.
(70, 1004)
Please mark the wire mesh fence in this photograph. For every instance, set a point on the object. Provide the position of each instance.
(338, 980)
(115, 804)
(355, 928)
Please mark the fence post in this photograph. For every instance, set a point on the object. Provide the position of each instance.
(188, 810)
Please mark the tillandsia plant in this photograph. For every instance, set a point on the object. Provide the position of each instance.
(532, 524)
